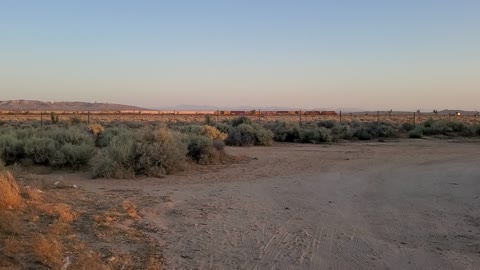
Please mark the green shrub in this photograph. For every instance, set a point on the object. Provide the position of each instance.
(327, 123)
(223, 127)
(40, 150)
(104, 138)
(241, 120)
(249, 135)
(73, 156)
(408, 126)
(11, 149)
(117, 159)
(204, 150)
(417, 132)
(207, 131)
(341, 132)
(241, 135)
(71, 135)
(150, 153)
(313, 135)
(208, 119)
(362, 134)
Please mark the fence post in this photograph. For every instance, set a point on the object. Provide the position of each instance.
(414, 119)
(300, 113)
(88, 117)
(41, 119)
(340, 117)
(259, 113)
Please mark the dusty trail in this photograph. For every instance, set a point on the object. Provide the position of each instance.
(399, 205)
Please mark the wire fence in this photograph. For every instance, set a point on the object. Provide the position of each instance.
(219, 116)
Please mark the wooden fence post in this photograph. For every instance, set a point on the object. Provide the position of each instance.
(340, 117)
(41, 119)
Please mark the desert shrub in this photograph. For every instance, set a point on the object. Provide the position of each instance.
(203, 150)
(96, 129)
(40, 150)
(313, 135)
(417, 133)
(207, 131)
(54, 146)
(263, 136)
(213, 133)
(241, 135)
(150, 152)
(362, 134)
(241, 120)
(223, 127)
(11, 149)
(407, 126)
(341, 132)
(117, 158)
(73, 156)
(104, 138)
(71, 135)
(370, 130)
(54, 118)
(326, 123)
(208, 119)
(249, 135)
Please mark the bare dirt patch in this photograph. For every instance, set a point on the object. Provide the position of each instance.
(398, 205)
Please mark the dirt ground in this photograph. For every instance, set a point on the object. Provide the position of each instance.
(410, 204)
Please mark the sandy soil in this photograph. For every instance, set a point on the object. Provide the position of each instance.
(395, 205)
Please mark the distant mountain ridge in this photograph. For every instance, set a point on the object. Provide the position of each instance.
(35, 105)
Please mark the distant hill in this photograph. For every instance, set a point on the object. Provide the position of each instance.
(34, 105)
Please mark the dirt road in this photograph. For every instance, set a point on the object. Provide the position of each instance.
(397, 205)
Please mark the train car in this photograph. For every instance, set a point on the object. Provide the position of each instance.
(268, 112)
(329, 113)
(313, 113)
(238, 113)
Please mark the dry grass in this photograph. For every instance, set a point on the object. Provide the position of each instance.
(131, 210)
(49, 251)
(10, 192)
(53, 229)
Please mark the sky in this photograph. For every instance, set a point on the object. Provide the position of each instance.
(378, 55)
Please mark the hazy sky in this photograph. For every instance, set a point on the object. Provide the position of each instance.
(362, 54)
